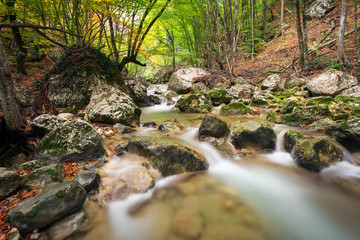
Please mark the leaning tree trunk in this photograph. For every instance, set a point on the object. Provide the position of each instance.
(299, 31)
(12, 114)
(341, 48)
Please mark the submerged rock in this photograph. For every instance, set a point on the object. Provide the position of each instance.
(314, 154)
(138, 180)
(212, 126)
(181, 81)
(55, 201)
(167, 156)
(169, 126)
(9, 182)
(253, 134)
(110, 105)
(331, 82)
(71, 142)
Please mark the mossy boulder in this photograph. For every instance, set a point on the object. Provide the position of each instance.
(110, 105)
(71, 142)
(347, 133)
(55, 201)
(273, 117)
(289, 106)
(168, 156)
(212, 126)
(9, 182)
(234, 109)
(220, 96)
(290, 139)
(306, 115)
(44, 124)
(199, 102)
(253, 134)
(31, 165)
(314, 154)
(43, 176)
(224, 146)
(322, 124)
(169, 126)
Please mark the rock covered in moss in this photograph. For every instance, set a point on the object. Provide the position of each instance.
(290, 139)
(169, 126)
(273, 83)
(220, 96)
(326, 100)
(260, 98)
(212, 126)
(314, 154)
(235, 109)
(55, 201)
(181, 81)
(331, 82)
(31, 165)
(253, 134)
(224, 146)
(71, 142)
(9, 182)
(347, 133)
(306, 115)
(289, 106)
(199, 102)
(110, 105)
(43, 176)
(322, 124)
(273, 117)
(167, 156)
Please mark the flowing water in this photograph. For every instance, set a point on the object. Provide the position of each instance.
(260, 196)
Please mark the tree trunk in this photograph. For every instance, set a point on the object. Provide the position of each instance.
(341, 48)
(112, 40)
(299, 33)
(282, 18)
(304, 33)
(252, 31)
(356, 31)
(22, 51)
(9, 104)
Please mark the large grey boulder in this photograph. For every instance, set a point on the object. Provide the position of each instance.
(314, 154)
(252, 134)
(273, 83)
(44, 124)
(9, 182)
(320, 8)
(55, 201)
(181, 81)
(212, 126)
(351, 92)
(110, 105)
(73, 90)
(71, 142)
(331, 82)
(168, 156)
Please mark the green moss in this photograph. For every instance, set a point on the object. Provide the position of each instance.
(234, 109)
(219, 96)
(273, 117)
(320, 100)
(60, 194)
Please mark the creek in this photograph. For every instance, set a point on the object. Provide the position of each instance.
(258, 196)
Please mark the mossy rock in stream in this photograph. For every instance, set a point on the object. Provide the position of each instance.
(326, 100)
(199, 102)
(314, 154)
(290, 139)
(212, 126)
(54, 202)
(253, 134)
(219, 96)
(273, 117)
(306, 115)
(43, 176)
(289, 106)
(168, 156)
(234, 109)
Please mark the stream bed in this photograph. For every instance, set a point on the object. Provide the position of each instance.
(257, 196)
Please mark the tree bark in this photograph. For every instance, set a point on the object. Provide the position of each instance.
(356, 31)
(22, 51)
(341, 48)
(112, 40)
(282, 18)
(9, 104)
(301, 33)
